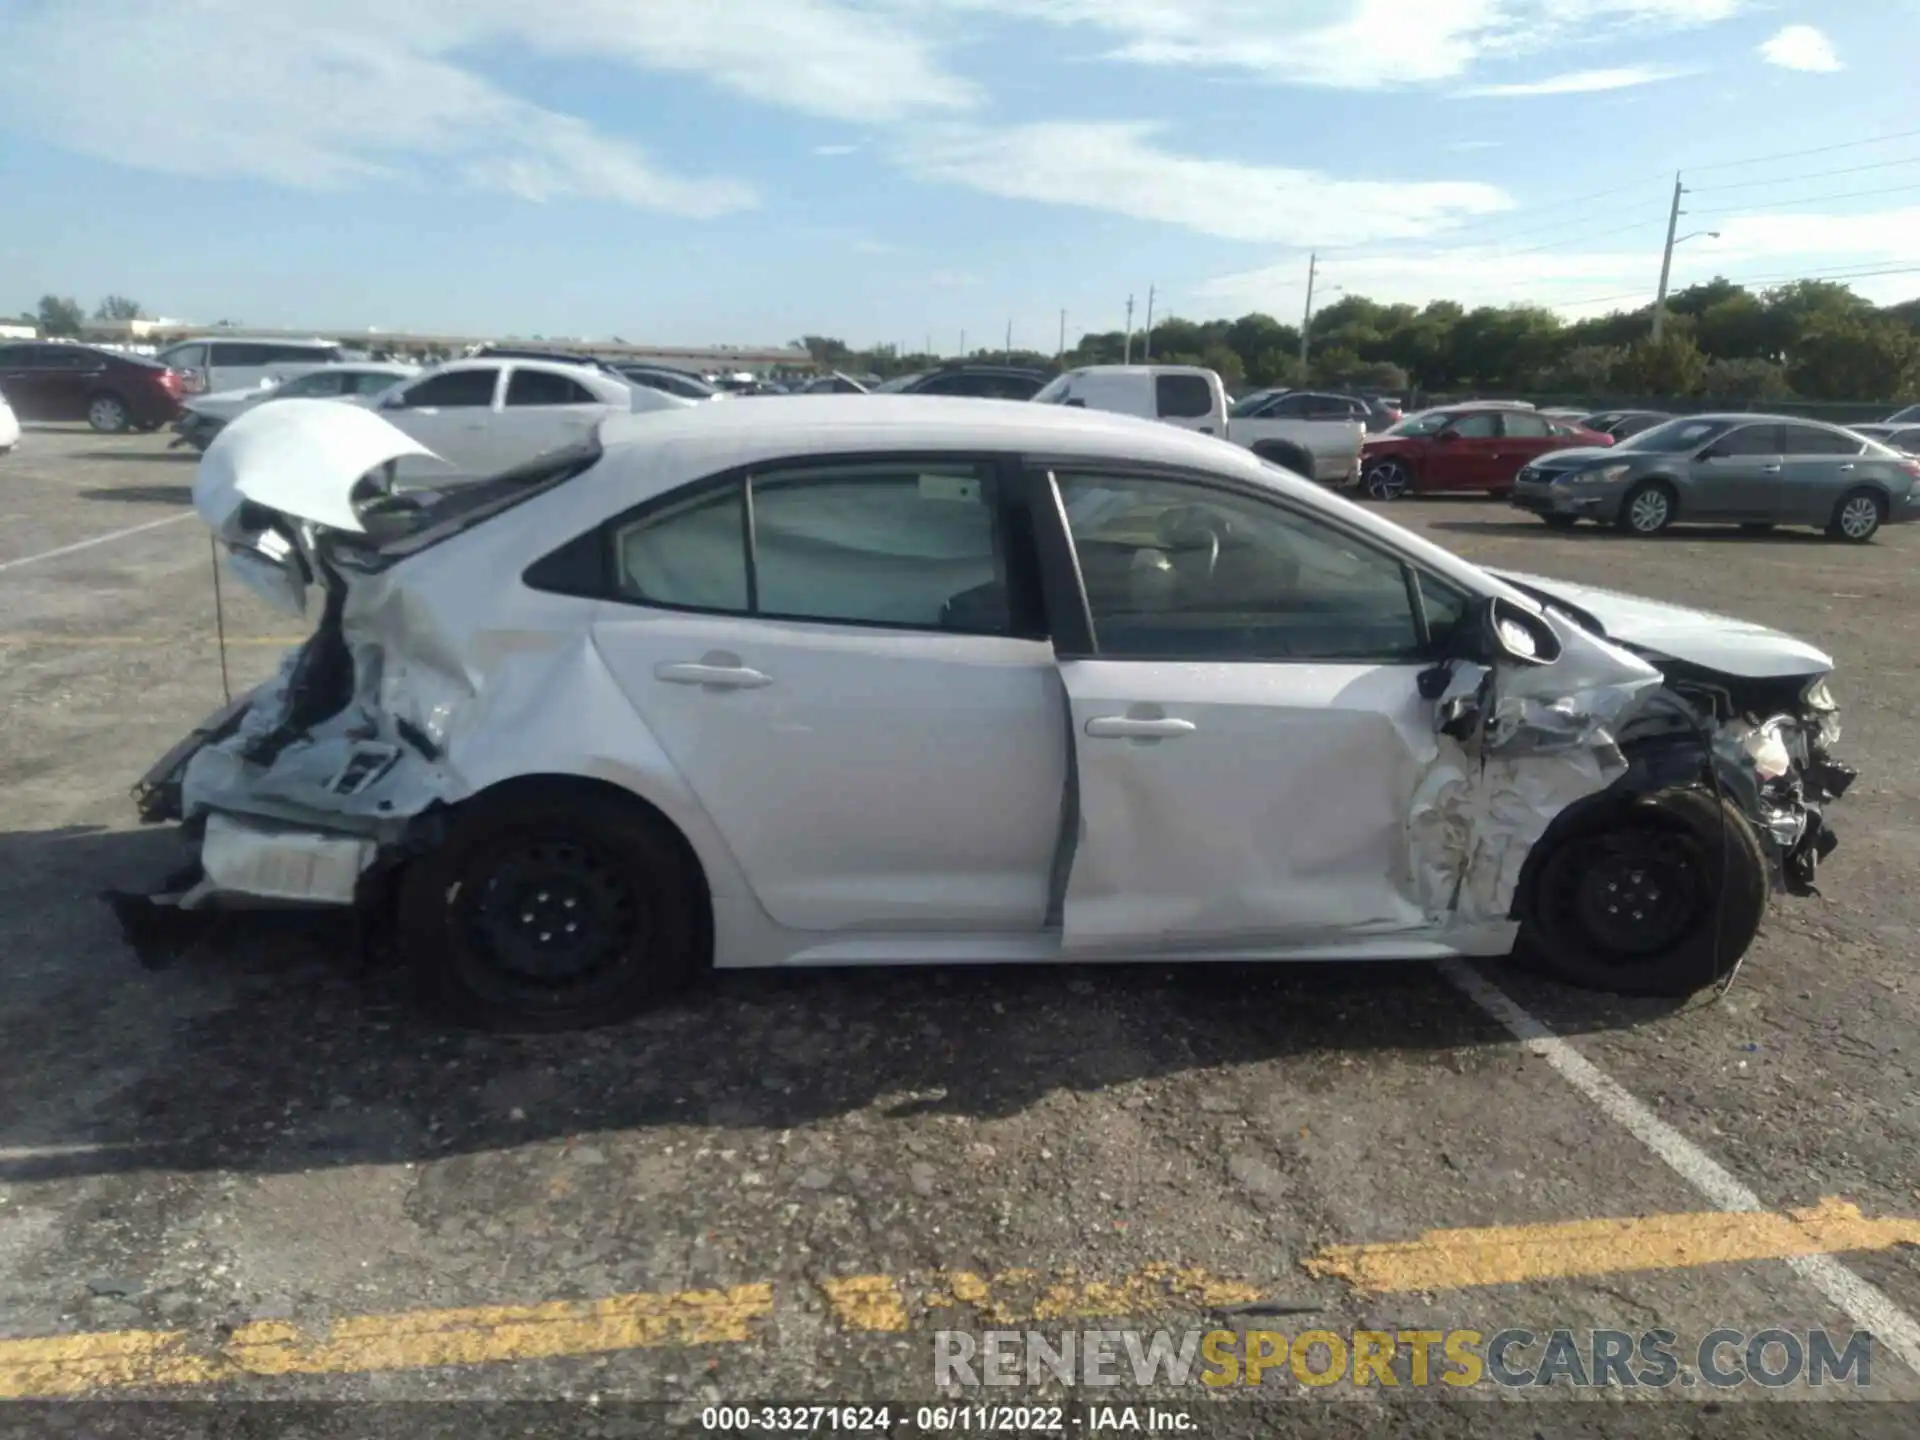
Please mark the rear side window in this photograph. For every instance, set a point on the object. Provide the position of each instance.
(457, 388)
(1182, 397)
(1812, 440)
(902, 544)
(543, 387)
(1519, 424)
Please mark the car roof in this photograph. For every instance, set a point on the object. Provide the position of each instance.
(313, 342)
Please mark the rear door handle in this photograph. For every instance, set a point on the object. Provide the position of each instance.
(1133, 727)
(713, 677)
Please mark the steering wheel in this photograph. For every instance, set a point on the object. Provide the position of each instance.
(1192, 528)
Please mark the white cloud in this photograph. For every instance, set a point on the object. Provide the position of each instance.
(1357, 44)
(1761, 248)
(1581, 82)
(1119, 167)
(1801, 47)
(360, 90)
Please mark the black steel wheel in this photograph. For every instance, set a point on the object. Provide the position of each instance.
(1658, 897)
(553, 910)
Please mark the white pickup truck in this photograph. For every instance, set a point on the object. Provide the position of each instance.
(1326, 448)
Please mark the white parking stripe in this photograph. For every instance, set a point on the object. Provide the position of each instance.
(1864, 1303)
(96, 540)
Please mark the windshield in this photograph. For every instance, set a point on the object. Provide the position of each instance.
(900, 382)
(1674, 436)
(1425, 423)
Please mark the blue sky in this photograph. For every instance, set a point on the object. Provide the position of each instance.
(745, 171)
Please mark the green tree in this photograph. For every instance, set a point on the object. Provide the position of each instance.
(1254, 337)
(1586, 369)
(1745, 380)
(1277, 367)
(118, 307)
(1671, 366)
(60, 315)
(1233, 373)
(1848, 357)
(826, 350)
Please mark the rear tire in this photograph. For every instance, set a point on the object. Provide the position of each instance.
(1290, 457)
(1648, 509)
(554, 908)
(1653, 898)
(107, 413)
(1858, 516)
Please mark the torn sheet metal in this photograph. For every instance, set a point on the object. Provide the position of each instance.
(300, 457)
(261, 861)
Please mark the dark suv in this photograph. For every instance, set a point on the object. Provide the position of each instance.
(52, 380)
(986, 382)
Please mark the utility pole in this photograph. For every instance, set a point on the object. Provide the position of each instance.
(929, 342)
(1666, 261)
(1126, 357)
(1146, 340)
(1062, 348)
(963, 344)
(1009, 351)
(1306, 315)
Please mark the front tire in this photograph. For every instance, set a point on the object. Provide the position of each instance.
(1648, 509)
(1386, 480)
(558, 908)
(1858, 517)
(107, 413)
(1661, 897)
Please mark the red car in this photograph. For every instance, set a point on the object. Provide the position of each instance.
(1464, 448)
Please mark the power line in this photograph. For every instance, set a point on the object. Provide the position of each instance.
(1782, 277)
(1813, 175)
(1796, 154)
(1806, 200)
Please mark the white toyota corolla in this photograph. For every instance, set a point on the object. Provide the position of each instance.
(871, 680)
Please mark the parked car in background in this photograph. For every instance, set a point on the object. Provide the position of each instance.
(9, 427)
(1311, 434)
(111, 391)
(204, 416)
(483, 416)
(1463, 448)
(683, 383)
(982, 381)
(1904, 438)
(1564, 412)
(209, 364)
(536, 352)
(1633, 422)
(1755, 470)
(1149, 697)
(1908, 416)
(834, 384)
(1288, 403)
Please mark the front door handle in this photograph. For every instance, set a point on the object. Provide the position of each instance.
(713, 677)
(1769, 469)
(1134, 727)
(1846, 467)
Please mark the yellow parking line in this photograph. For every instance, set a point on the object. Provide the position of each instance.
(52, 641)
(1439, 1260)
(77, 1364)
(1515, 1254)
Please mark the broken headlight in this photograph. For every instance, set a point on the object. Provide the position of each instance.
(1818, 698)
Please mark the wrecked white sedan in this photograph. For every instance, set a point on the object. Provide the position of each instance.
(863, 681)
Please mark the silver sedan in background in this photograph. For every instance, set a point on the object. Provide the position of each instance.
(1756, 471)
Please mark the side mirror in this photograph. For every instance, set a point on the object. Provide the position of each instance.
(393, 402)
(1712, 452)
(1510, 633)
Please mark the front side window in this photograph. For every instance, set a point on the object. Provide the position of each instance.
(1182, 397)
(184, 357)
(1749, 440)
(896, 543)
(371, 382)
(1430, 422)
(544, 387)
(1176, 569)
(1482, 426)
(456, 389)
(1674, 437)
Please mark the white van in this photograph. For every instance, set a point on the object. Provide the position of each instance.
(1323, 449)
(212, 363)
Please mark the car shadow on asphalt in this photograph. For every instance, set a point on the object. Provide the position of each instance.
(269, 1046)
(141, 494)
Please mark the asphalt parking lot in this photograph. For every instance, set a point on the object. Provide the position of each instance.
(258, 1173)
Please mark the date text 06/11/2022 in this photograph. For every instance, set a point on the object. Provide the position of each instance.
(949, 1419)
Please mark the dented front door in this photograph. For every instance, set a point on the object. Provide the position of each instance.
(1248, 729)
(1243, 804)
